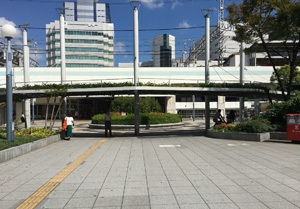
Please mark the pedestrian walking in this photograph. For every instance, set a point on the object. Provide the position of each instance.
(70, 123)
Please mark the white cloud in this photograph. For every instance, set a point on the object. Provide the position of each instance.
(17, 41)
(175, 3)
(152, 4)
(4, 21)
(184, 24)
(119, 47)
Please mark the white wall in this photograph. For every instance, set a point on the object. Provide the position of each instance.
(41, 75)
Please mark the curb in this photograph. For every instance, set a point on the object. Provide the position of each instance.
(13, 152)
(102, 126)
(260, 137)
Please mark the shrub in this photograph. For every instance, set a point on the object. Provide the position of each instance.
(126, 104)
(24, 136)
(159, 118)
(254, 126)
(276, 112)
(145, 119)
(223, 127)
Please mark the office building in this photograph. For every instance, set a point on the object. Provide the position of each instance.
(89, 36)
(163, 50)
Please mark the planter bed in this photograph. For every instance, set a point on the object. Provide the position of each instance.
(260, 137)
(13, 152)
(102, 126)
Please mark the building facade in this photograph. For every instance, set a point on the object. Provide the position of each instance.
(87, 11)
(89, 36)
(163, 50)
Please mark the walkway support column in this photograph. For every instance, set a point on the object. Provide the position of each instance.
(242, 66)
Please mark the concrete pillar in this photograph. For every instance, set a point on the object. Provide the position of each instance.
(221, 105)
(171, 104)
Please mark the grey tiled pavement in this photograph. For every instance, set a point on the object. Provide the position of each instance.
(158, 172)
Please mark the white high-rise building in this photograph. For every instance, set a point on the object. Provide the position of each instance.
(89, 36)
(163, 50)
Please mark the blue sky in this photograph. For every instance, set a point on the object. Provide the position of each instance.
(156, 17)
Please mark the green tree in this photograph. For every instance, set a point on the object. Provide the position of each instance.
(123, 104)
(284, 73)
(126, 104)
(258, 21)
(50, 94)
(149, 104)
(276, 112)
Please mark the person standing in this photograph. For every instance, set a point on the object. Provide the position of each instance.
(23, 119)
(70, 123)
(231, 117)
(107, 118)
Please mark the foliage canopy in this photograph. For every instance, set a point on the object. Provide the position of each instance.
(261, 23)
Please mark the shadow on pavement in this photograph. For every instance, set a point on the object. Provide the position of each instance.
(147, 133)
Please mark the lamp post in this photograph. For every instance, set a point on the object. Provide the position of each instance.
(9, 32)
(207, 58)
(136, 5)
(62, 55)
(26, 72)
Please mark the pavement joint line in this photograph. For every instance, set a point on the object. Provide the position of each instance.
(38, 196)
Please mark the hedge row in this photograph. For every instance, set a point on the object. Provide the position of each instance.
(145, 119)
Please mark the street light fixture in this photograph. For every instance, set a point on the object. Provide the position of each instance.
(9, 32)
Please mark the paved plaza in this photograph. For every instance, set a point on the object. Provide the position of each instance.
(157, 172)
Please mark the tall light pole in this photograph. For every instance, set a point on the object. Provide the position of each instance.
(62, 55)
(207, 58)
(9, 32)
(26, 72)
(136, 5)
(62, 48)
